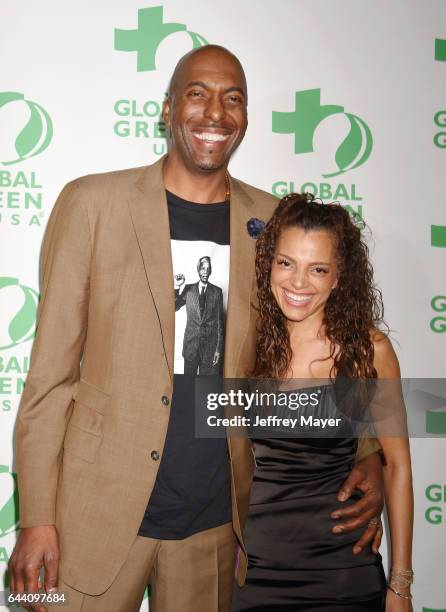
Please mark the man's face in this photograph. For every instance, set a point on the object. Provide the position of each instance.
(207, 110)
(204, 271)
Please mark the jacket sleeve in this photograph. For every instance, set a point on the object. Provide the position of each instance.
(46, 402)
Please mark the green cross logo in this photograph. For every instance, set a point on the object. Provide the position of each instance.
(18, 308)
(308, 114)
(436, 420)
(9, 501)
(36, 135)
(440, 49)
(438, 236)
(150, 33)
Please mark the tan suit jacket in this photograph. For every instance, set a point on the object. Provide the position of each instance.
(93, 416)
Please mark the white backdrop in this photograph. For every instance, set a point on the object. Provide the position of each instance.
(81, 103)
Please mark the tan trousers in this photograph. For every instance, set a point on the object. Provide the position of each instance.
(191, 575)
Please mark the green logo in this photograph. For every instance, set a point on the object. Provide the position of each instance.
(438, 236)
(436, 421)
(435, 494)
(438, 304)
(430, 403)
(434, 405)
(438, 232)
(9, 501)
(308, 114)
(440, 116)
(434, 609)
(440, 49)
(36, 135)
(18, 307)
(440, 137)
(150, 33)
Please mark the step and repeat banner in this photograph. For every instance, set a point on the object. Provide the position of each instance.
(347, 100)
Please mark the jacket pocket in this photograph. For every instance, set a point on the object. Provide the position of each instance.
(84, 432)
(91, 396)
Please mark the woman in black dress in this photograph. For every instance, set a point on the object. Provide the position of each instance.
(319, 319)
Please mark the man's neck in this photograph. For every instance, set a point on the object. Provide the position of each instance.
(199, 187)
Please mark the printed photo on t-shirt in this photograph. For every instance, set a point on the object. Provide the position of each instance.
(201, 277)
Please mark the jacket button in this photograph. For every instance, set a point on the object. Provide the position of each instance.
(165, 400)
(155, 455)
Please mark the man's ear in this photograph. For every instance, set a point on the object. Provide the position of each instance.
(167, 104)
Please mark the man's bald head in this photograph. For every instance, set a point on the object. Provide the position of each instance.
(212, 55)
(206, 111)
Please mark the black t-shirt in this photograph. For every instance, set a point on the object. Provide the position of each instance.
(192, 491)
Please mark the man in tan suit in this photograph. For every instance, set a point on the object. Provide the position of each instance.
(97, 415)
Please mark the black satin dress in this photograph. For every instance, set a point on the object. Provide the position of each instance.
(295, 561)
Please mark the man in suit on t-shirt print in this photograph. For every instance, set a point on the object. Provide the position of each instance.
(204, 333)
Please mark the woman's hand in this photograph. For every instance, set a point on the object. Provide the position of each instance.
(394, 603)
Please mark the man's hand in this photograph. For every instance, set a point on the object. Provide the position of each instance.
(366, 476)
(35, 547)
(178, 281)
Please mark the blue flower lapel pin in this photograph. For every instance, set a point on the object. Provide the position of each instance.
(255, 227)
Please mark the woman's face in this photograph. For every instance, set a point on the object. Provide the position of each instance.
(304, 271)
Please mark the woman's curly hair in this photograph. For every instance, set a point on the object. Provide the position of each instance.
(353, 309)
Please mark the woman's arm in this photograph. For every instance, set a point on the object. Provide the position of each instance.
(397, 472)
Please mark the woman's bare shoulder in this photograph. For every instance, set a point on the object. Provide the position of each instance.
(385, 359)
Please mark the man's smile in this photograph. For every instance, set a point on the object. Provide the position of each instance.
(211, 136)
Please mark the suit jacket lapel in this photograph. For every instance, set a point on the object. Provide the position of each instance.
(148, 209)
(242, 254)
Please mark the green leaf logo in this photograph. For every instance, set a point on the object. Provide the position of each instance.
(9, 501)
(356, 148)
(18, 308)
(37, 133)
